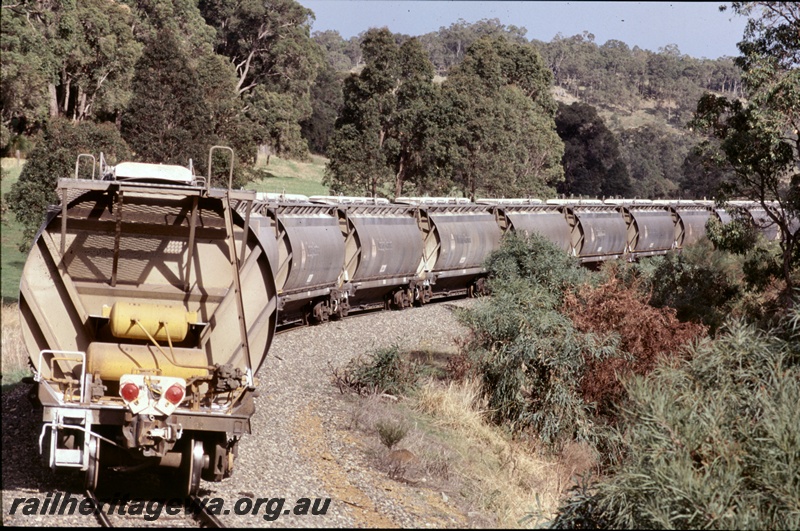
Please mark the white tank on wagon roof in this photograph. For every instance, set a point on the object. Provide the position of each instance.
(127, 171)
(504, 201)
(281, 197)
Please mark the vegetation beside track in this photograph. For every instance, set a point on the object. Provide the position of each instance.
(600, 373)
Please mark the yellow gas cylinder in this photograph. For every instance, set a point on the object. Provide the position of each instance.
(160, 320)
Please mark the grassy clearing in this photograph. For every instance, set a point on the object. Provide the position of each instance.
(290, 176)
(11, 259)
(14, 361)
(646, 115)
(447, 446)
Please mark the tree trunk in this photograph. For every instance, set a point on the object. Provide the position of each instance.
(398, 179)
(53, 100)
(64, 105)
(80, 106)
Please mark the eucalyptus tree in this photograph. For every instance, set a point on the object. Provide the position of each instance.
(168, 120)
(276, 61)
(654, 154)
(501, 137)
(74, 58)
(326, 104)
(24, 75)
(759, 137)
(448, 46)
(702, 177)
(359, 162)
(181, 17)
(379, 145)
(411, 127)
(593, 164)
(335, 48)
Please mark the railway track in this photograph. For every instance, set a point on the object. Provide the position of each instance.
(194, 513)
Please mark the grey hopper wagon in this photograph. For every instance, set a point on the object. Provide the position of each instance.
(147, 307)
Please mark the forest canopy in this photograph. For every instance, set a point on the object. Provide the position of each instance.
(471, 109)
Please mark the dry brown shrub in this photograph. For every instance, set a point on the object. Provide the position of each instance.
(646, 333)
(459, 367)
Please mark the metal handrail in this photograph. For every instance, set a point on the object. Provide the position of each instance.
(230, 175)
(82, 358)
(78, 162)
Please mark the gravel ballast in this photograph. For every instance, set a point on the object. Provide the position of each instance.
(300, 446)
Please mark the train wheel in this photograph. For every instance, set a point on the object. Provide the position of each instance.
(480, 286)
(192, 467)
(219, 455)
(93, 472)
(397, 300)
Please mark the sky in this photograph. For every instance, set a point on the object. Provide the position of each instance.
(699, 29)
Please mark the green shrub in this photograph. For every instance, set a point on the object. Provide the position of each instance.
(528, 354)
(391, 433)
(54, 158)
(762, 265)
(536, 259)
(383, 371)
(706, 285)
(703, 284)
(713, 442)
(738, 236)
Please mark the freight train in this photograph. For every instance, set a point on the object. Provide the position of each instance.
(150, 298)
(333, 255)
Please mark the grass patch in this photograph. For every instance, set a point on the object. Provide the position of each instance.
(385, 371)
(433, 432)
(450, 448)
(643, 116)
(290, 176)
(501, 475)
(11, 259)
(14, 365)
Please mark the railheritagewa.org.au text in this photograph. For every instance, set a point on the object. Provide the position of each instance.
(68, 504)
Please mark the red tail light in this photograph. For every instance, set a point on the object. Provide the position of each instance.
(129, 392)
(174, 394)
